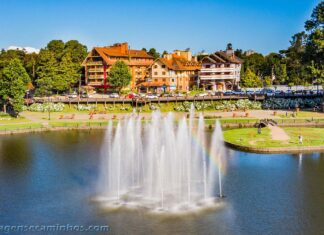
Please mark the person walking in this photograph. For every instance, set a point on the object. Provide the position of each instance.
(300, 137)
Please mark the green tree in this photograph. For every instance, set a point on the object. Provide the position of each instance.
(119, 75)
(30, 62)
(7, 56)
(59, 66)
(154, 53)
(57, 47)
(250, 79)
(293, 57)
(280, 72)
(314, 49)
(13, 85)
(67, 74)
(164, 53)
(46, 72)
(78, 52)
(317, 18)
(267, 81)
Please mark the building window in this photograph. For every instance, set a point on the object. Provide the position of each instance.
(155, 80)
(163, 73)
(163, 66)
(207, 66)
(155, 73)
(155, 66)
(164, 79)
(172, 79)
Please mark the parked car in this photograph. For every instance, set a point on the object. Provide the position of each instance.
(168, 95)
(131, 96)
(179, 95)
(73, 95)
(228, 93)
(151, 96)
(218, 93)
(279, 93)
(85, 95)
(239, 92)
(203, 94)
(113, 95)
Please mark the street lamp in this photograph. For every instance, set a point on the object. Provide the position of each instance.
(49, 109)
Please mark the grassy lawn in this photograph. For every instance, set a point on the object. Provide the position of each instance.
(232, 120)
(77, 123)
(249, 137)
(19, 126)
(8, 120)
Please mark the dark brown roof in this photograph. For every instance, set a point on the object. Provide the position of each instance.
(223, 57)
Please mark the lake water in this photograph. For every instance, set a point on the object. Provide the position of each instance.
(49, 179)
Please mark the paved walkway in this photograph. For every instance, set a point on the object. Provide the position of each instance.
(278, 133)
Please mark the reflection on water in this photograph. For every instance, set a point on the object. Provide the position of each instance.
(49, 178)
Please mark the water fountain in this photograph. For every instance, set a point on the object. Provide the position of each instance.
(161, 165)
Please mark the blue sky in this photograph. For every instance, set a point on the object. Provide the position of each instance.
(261, 25)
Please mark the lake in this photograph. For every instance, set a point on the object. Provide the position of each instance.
(50, 178)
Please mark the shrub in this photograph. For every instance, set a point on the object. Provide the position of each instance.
(45, 107)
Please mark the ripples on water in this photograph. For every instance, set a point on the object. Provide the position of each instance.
(50, 178)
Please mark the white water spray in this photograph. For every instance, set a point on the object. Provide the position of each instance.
(160, 165)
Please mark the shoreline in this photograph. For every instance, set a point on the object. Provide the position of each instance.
(295, 149)
(269, 150)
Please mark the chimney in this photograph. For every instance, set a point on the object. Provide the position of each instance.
(229, 50)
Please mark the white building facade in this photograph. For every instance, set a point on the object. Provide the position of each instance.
(220, 71)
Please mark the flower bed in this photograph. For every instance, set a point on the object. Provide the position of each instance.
(282, 103)
(219, 105)
(45, 107)
(85, 107)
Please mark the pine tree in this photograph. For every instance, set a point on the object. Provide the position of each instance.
(46, 73)
(67, 74)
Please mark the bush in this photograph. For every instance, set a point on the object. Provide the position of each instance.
(219, 105)
(85, 107)
(282, 103)
(45, 107)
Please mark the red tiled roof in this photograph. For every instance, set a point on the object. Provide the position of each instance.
(180, 64)
(121, 50)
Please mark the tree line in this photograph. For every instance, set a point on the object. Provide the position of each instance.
(300, 64)
(55, 69)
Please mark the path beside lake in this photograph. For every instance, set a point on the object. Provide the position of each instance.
(278, 133)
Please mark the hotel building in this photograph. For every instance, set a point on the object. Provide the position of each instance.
(220, 71)
(99, 61)
(176, 71)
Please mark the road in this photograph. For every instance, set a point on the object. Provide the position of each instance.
(102, 99)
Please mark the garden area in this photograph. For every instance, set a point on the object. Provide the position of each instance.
(250, 137)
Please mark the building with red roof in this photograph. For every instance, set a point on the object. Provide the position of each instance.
(100, 59)
(176, 71)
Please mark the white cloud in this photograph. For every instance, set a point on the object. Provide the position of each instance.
(28, 50)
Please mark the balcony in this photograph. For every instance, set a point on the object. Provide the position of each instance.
(96, 77)
(100, 70)
(217, 70)
(218, 77)
(94, 63)
(95, 83)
